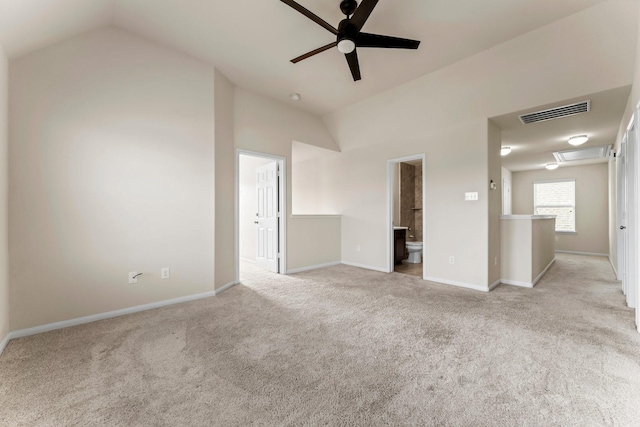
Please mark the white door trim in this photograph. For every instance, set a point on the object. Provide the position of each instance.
(390, 192)
(282, 206)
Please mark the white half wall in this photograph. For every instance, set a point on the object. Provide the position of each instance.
(111, 170)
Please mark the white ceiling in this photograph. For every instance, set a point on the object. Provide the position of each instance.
(251, 42)
(533, 144)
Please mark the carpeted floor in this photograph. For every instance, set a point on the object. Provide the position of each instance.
(344, 346)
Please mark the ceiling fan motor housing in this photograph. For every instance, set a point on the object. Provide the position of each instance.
(348, 7)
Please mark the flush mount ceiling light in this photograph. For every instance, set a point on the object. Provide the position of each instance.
(578, 140)
(295, 96)
(505, 151)
(552, 166)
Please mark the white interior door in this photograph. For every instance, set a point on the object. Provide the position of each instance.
(622, 215)
(506, 197)
(632, 218)
(267, 216)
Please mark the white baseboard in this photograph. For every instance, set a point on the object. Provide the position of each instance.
(117, 313)
(581, 253)
(615, 270)
(366, 267)
(252, 261)
(543, 272)
(516, 283)
(532, 283)
(313, 267)
(459, 284)
(4, 343)
(494, 285)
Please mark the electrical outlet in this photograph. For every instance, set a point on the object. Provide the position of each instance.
(164, 273)
(452, 260)
(556, 238)
(133, 277)
(495, 261)
(358, 248)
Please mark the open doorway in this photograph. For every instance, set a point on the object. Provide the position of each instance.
(406, 202)
(260, 207)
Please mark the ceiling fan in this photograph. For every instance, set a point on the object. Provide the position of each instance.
(348, 34)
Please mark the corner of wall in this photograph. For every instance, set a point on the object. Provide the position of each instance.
(224, 158)
(4, 240)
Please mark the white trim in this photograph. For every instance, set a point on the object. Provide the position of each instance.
(529, 284)
(315, 216)
(117, 313)
(615, 271)
(537, 279)
(494, 285)
(459, 284)
(581, 253)
(516, 283)
(282, 219)
(366, 267)
(252, 261)
(4, 342)
(313, 267)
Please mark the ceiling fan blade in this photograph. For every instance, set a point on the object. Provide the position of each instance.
(352, 59)
(362, 13)
(376, 40)
(306, 12)
(314, 52)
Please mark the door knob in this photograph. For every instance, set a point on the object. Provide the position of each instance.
(255, 222)
(622, 227)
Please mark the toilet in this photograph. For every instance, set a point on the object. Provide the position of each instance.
(415, 252)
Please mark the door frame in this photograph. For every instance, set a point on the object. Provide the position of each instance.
(390, 193)
(282, 207)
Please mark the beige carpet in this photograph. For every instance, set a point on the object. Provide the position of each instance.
(344, 346)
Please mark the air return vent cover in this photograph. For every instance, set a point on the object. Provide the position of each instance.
(556, 113)
(587, 153)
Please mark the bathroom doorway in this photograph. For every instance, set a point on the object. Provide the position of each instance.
(406, 202)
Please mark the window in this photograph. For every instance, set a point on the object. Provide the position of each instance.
(557, 198)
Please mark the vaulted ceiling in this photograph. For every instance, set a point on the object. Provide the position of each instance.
(252, 43)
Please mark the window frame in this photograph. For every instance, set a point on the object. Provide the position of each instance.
(552, 181)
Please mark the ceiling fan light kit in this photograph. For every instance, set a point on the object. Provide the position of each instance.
(552, 166)
(348, 34)
(504, 151)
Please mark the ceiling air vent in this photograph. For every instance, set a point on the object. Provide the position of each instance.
(556, 113)
(587, 153)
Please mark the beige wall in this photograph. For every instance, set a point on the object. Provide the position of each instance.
(444, 115)
(4, 242)
(266, 126)
(592, 204)
(225, 210)
(248, 205)
(111, 170)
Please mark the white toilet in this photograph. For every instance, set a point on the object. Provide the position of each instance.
(415, 252)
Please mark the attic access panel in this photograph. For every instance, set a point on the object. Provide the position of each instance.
(587, 153)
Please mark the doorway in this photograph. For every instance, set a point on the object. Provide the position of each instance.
(406, 219)
(260, 206)
(628, 160)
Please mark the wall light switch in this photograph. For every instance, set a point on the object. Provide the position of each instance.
(471, 196)
(164, 273)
